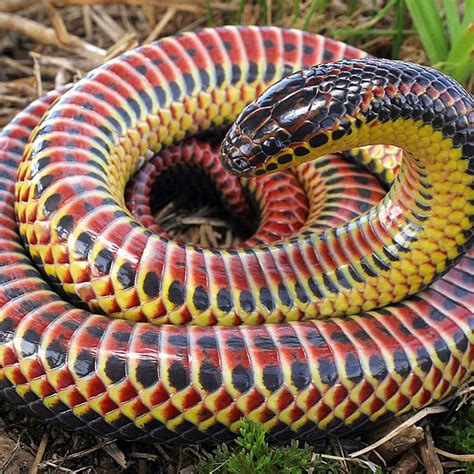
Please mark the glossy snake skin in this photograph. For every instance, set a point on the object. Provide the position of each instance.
(205, 363)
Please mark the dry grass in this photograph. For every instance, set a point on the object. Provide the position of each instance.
(46, 44)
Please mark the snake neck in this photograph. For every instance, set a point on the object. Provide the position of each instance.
(424, 224)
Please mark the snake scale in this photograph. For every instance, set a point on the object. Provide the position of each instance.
(185, 356)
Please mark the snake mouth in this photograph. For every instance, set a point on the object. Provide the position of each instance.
(236, 163)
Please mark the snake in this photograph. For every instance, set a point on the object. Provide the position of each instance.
(349, 308)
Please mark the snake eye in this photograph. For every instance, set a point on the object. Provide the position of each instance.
(272, 145)
(241, 164)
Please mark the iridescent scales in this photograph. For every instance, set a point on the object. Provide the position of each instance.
(191, 383)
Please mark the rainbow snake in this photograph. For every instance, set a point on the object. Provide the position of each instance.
(185, 355)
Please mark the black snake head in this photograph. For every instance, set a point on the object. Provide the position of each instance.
(234, 161)
(314, 112)
(252, 141)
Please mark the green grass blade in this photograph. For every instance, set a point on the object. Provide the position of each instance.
(428, 23)
(209, 15)
(340, 33)
(296, 9)
(452, 19)
(240, 12)
(460, 61)
(320, 5)
(374, 20)
(352, 7)
(324, 6)
(399, 20)
(309, 15)
(468, 17)
(264, 11)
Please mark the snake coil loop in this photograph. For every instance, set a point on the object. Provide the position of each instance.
(185, 355)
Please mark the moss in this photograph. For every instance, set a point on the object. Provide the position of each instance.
(252, 454)
(457, 435)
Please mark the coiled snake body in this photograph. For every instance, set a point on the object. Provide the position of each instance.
(301, 374)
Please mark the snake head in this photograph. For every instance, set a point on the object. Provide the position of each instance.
(235, 161)
(252, 141)
(307, 114)
(268, 131)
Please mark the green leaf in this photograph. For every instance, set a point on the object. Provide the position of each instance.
(296, 9)
(468, 17)
(311, 11)
(210, 16)
(452, 19)
(398, 39)
(429, 25)
(381, 14)
(240, 12)
(339, 33)
(460, 61)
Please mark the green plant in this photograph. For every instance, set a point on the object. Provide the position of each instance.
(316, 5)
(447, 38)
(251, 454)
(458, 433)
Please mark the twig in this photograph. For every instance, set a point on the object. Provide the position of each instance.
(211, 237)
(60, 62)
(58, 24)
(86, 16)
(14, 99)
(156, 31)
(83, 453)
(428, 454)
(149, 12)
(114, 452)
(40, 452)
(198, 220)
(269, 12)
(203, 240)
(162, 452)
(456, 457)
(165, 212)
(44, 35)
(14, 5)
(37, 74)
(56, 466)
(336, 447)
(145, 456)
(128, 41)
(198, 6)
(411, 421)
(15, 65)
(360, 462)
(107, 24)
(60, 78)
(12, 455)
(399, 443)
(126, 21)
(22, 86)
